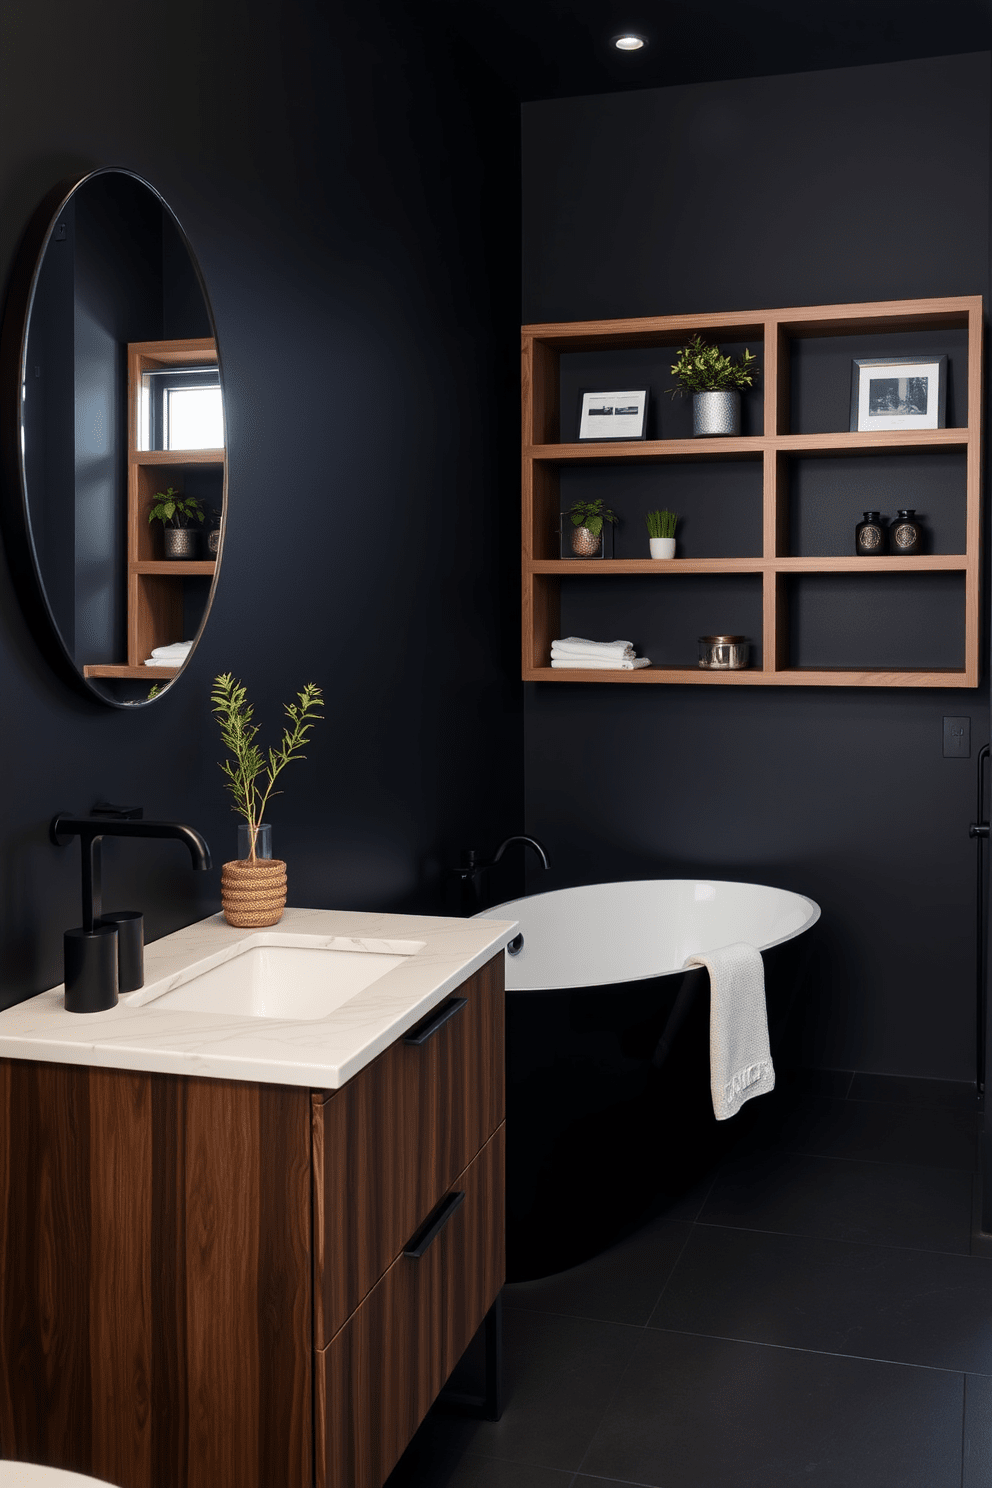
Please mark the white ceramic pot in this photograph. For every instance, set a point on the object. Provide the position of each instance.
(662, 547)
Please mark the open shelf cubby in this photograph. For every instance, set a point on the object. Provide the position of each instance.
(767, 518)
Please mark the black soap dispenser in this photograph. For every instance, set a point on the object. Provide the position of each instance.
(906, 534)
(869, 536)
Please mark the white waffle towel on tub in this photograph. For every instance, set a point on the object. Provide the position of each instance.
(740, 1056)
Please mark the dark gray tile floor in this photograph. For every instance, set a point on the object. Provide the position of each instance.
(818, 1312)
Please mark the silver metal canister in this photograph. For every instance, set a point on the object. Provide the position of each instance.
(723, 653)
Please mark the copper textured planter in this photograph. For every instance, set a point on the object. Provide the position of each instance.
(253, 893)
(585, 543)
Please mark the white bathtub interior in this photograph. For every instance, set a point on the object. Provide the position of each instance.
(624, 932)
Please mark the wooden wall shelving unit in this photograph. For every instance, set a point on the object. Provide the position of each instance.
(154, 588)
(544, 456)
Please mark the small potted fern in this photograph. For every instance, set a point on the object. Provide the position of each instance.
(715, 381)
(661, 533)
(253, 886)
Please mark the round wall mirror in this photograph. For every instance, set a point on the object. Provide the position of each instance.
(115, 454)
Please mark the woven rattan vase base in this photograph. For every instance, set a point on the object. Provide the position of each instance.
(253, 894)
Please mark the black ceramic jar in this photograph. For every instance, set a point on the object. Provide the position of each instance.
(906, 534)
(869, 536)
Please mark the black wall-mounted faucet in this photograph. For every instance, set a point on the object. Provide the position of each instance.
(472, 869)
(106, 954)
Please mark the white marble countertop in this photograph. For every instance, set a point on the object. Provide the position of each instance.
(321, 1053)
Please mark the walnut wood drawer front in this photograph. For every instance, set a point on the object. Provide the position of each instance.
(376, 1380)
(388, 1145)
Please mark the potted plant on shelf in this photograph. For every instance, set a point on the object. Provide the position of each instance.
(177, 513)
(661, 533)
(587, 519)
(253, 886)
(715, 382)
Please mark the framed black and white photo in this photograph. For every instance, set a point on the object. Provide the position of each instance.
(903, 393)
(606, 416)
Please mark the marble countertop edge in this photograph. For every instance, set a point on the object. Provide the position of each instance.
(322, 1054)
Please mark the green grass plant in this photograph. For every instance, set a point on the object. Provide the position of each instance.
(662, 523)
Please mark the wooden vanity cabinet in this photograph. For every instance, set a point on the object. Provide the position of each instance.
(202, 1282)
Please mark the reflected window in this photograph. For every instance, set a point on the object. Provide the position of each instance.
(181, 409)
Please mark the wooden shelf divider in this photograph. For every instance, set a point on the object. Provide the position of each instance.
(542, 458)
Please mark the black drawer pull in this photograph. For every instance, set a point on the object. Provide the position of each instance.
(432, 1226)
(421, 1032)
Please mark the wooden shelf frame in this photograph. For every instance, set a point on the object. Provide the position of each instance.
(543, 456)
(154, 593)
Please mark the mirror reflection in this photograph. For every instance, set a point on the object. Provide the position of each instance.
(122, 438)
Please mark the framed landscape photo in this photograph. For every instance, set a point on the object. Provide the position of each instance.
(609, 416)
(898, 393)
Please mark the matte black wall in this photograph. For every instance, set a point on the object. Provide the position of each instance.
(862, 184)
(351, 193)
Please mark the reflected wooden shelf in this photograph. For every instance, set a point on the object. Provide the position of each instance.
(175, 568)
(155, 603)
(153, 674)
(177, 457)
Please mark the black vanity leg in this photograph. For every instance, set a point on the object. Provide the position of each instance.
(492, 1407)
(489, 1405)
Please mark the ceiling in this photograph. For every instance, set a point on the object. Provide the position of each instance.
(558, 48)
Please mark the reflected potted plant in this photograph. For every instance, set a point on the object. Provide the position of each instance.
(177, 513)
(661, 533)
(253, 886)
(587, 518)
(715, 382)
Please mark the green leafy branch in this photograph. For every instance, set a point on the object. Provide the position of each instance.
(701, 368)
(251, 775)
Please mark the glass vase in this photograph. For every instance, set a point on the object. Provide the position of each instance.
(263, 841)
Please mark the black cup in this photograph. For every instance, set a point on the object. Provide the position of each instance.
(130, 926)
(90, 969)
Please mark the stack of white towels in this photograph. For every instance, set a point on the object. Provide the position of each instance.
(602, 656)
(170, 656)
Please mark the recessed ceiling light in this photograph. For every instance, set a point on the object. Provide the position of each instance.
(629, 43)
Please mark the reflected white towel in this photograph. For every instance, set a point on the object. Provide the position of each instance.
(575, 645)
(175, 648)
(740, 1055)
(170, 656)
(599, 664)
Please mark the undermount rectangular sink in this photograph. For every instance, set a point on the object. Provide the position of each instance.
(278, 976)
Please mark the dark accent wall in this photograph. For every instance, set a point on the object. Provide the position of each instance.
(861, 184)
(351, 191)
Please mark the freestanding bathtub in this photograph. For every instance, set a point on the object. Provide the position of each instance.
(608, 1114)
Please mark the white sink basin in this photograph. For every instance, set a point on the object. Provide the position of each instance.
(278, 976)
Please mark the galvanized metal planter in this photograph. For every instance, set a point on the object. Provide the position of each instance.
(716, 413)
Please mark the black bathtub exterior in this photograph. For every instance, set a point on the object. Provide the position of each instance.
(609, 1119)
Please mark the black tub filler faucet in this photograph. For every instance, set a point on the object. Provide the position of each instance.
(105, 954)
(472, 868)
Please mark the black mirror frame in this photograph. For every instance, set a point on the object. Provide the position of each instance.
(15, 517)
